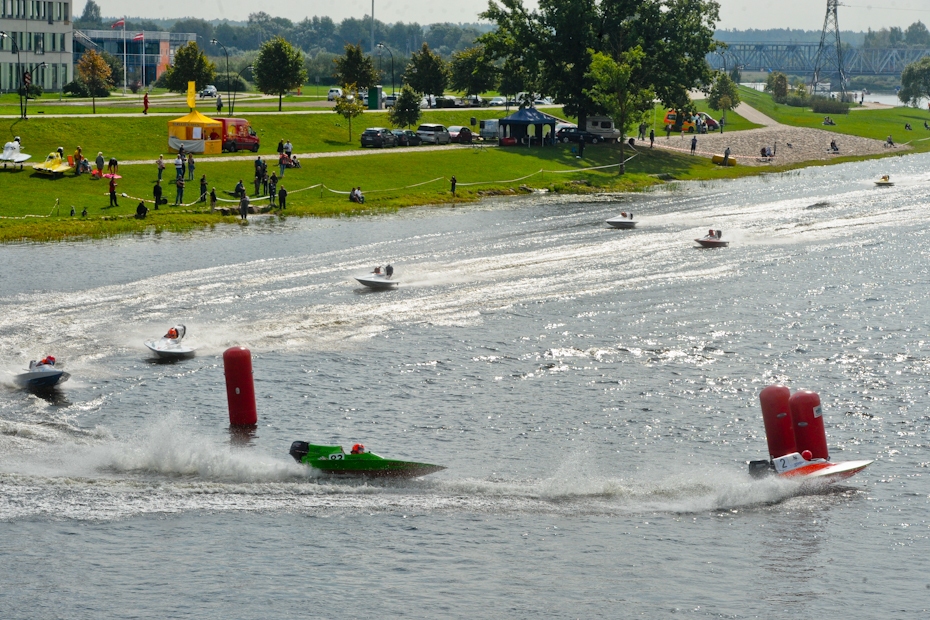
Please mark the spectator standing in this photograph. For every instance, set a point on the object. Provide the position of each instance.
(244, 207)
(190, 166)
(160, 163)
(272, 188)
(282, 198)
(145, 104)
(453, 180)
(203, 188)
(288, 149)
(100, 161)
(113, 202)
(652, 137)
(179, 200)
(157, 192)
(693, 144)
(179, 167)
(219, 103)
(213, 198)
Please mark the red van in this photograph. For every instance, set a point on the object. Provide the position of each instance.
(238, 135)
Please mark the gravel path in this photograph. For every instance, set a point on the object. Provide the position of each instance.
(791, 144)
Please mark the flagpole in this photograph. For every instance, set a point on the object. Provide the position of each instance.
(124, 56)
(143, 60)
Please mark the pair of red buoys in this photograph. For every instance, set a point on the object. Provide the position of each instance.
(793, 422)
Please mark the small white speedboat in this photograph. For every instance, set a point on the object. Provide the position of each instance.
(42, 375)
(795, 466)
(12, 154)
(885, 181)
(169, 346)
(379, 278)
(624, 220)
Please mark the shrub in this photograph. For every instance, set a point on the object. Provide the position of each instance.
(134, 86)
(76, 88)
(34, 91)
(823, 105)
(796, 101)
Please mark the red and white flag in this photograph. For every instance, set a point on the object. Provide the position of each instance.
(138, 37)
(119, 24)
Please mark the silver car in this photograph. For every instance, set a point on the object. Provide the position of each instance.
(432, 133)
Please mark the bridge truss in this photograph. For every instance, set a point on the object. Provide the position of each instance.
(801, 59)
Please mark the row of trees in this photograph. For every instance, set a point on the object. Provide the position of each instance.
(915, 35)
(312, 34)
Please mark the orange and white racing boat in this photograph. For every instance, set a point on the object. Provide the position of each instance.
(796, 439)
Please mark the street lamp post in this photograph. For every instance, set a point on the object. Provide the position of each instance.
(215, 42)
(232, 108)
(383, 46)
(41, 65)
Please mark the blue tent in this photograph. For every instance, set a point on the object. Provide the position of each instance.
(528, 126)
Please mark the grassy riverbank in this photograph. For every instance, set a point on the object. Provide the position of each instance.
(391, 179)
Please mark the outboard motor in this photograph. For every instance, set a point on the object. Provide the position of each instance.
(299, 450)
(760, 469)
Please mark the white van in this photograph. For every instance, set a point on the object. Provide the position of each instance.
(333, 94)
(603, 127)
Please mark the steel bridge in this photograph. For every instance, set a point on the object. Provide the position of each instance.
(799, 58)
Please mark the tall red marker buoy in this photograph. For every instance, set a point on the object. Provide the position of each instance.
(776, 414)
(240, 389)
(807, 417)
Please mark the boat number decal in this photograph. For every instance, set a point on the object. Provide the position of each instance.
(335, 457)
(783, 463)
(818, 411)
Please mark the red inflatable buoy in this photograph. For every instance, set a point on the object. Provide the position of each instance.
(779, 431)
(807, 417)
(240, 389)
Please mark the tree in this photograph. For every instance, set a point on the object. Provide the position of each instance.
(116, 68)
(473, 72)
(427, 73)
(777, 84)
(190, 65)
(91, 15)
(355, 68)
(348, 106)
(406, 110)
(613, 90)
(917, 35)
(201, 27)
(724, 95)
(94, 72)
(915, 82)
(279, 68)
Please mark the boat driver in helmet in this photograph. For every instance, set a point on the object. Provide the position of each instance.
(172, 334)
(358, 449)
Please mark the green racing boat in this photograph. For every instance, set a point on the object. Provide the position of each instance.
(359, 462)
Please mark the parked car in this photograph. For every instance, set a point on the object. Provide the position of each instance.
(573, 134)
(407, 137)
(709, 121)
(333, 94)
(432, 133)
(460, 134)
(476, 101)
(208, 91)
(603, 127)
(378, 136)
(498, 101)
(390, 100)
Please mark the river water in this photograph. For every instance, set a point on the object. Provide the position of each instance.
(592, 392)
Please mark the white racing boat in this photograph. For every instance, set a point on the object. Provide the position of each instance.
(885, 181)
(624, 220)
(42, 375)
(12, 155)
(169, 346)
(379, 278)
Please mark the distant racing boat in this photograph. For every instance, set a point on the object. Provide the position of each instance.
(42, 375)
(361, 463)
(169, 346)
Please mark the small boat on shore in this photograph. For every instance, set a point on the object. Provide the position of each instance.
(169, 346)
(624, 221)
(712, 240)
(359, 462)
(42, 375)
(379, 278)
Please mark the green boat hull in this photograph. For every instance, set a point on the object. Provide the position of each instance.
(334, 460)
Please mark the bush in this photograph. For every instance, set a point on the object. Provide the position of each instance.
(76, 88)
(797, 101)
(79, 88)
(237, 84)
(823, 105)
(34, 91)
(134, 86)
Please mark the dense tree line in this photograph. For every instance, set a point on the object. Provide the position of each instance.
(312, 35)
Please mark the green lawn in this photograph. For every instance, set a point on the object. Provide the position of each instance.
(383, 177)
(877, 124)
